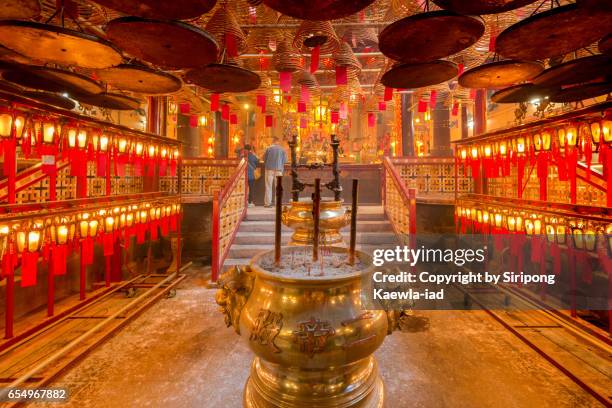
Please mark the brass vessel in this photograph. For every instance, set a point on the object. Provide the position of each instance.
(313, 342)
(334, 216)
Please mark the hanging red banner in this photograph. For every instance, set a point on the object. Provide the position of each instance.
(341, 75)
(301, 107)
(314, 59)
(184, 108)
(382, 106)
(261, 102)
(433, 96)
(371, 119)
(285, 81)
(233, 119)
(455, 109)
(225, 112)
(303, 123)
(388, 94)
(269, 121)
(304, 94)
(193, 121)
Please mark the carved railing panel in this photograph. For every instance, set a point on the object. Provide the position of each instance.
(229, 208)
(201, 178)
(399, 203)
(433, 177)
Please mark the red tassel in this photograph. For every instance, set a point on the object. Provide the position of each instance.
(582, 259)
(314, 59)
(8, 264)
(29, 268)
(165, 226)
(153, 231)
(225, 112)
(455, 109)
(193, 121)
(230, 45)
(88, 250)
(59, 255)
(301, 108)
(141, 233)
(341, 75)
(214, 102)
(101, 165)
(555, 254)
(269, 121)
(174, 222)
(233, 119)
(108, 243)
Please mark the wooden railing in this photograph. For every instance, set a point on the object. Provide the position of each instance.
(436, 179)
(229, 209)
(399, 203)
(201, 178)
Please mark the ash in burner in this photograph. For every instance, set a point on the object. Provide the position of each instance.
(299, 264)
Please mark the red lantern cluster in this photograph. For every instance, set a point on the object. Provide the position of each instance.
(561, 146)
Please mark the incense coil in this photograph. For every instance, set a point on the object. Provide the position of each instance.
(259, 40)
(357, 36)
(224, 22)
(286, 58)
(313, 33)
(345, 57)
(307, 79)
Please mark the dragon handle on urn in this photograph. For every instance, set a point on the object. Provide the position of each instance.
(235, 286)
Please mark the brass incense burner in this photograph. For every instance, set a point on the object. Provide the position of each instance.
(333, 217)
(313, 342)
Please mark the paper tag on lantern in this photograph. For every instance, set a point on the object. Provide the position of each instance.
(269, 121)
(214, 102)
(184, 108)
(285, 81)
(304, 94)
(433, 96)
(261, 102)
(455, 109)
(341, 76)
(335, 117)
(422, 106)
(48, 160)
(343, 110)
(388, 94)
(371, 119)
(29, 262)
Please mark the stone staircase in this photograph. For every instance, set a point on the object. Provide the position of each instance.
(256, 233)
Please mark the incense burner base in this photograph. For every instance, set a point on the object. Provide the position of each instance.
(333, 218)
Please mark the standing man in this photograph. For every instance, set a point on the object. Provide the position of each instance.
(252, 163)
(275, 158)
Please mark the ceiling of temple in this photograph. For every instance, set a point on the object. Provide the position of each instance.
(252, 36)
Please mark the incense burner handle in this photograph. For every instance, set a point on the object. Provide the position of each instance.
(235, 287)
(394, 320)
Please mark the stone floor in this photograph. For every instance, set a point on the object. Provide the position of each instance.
(179, 354)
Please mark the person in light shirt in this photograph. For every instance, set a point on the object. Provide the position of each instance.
(274, 159)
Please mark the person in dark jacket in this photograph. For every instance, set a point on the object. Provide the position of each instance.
(252, 163)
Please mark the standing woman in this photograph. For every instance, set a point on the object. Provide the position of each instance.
(252, 163)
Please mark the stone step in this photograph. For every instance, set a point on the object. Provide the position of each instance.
(256, 238)
(268, 226)
(365, 213)
(248, 251)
